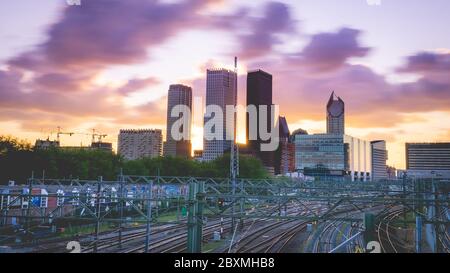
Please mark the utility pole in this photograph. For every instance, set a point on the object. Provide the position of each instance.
(97, 225)
(234, 155)
(149, 217)
(199, 215)
(192, 223)
(30, 189)
(93, 135)
(241, 219)
(436, 213)
(121, 203)
(418, 234)
(369, 227)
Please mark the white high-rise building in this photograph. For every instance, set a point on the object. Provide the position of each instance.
(379, 157)
(221, 90)
(135, 144)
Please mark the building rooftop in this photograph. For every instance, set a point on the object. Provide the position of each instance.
(220, 70)
(426, 143)
(140, 130)
(259, 71)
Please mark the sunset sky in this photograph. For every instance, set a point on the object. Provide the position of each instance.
(108, 64)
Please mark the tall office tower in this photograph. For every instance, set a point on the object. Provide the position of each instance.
(221, 90)
(428, 156)
(335, 115)
(178, 95)
(135, 144)
(259, 92)
(379, 157)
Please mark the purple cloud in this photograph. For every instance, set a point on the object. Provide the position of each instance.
(264, 31)
(329, 51)
(108, 32)
(61, 82)
(136, 84)
(86, 40)
(427, 62)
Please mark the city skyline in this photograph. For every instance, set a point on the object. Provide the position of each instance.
(395, 85)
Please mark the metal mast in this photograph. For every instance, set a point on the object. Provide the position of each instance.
(234, 153)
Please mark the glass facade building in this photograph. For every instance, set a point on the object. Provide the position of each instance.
(259, 92)
(428, 156)
(221, 90)
(333, 155)
(178, 95)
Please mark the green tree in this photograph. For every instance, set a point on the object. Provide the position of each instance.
(18, 160)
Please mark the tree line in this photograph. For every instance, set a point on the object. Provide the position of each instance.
(19, 159)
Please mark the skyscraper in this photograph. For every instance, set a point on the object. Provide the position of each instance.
(259, 92)
(178, 95)
(221, 90)
(335, 115)
(135, 144)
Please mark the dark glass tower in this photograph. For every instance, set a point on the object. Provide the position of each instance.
(259, 92)
(335, 115)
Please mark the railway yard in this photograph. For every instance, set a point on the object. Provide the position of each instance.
(264, 218)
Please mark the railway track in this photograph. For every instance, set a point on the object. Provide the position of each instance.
(248, 244)
(444, 237)
(59, 244)
(280, 243)
(389, 243)
(330, 231)
(258, 241)
(110, 240)
(177, 242)
(274, 237)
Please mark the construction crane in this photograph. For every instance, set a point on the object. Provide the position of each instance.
(100, 136)
(62, 133)
(94, 135)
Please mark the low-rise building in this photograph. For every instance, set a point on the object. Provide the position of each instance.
(333, 155)
(135, 144)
